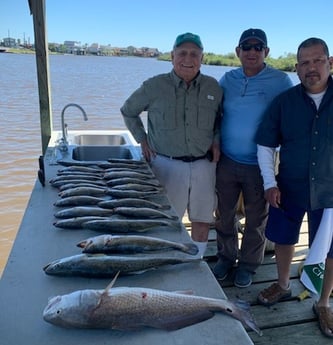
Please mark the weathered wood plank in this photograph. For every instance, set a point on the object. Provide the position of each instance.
(299, 334)
(250, 293)
(37, 9)
(265, 274)
(284, 313)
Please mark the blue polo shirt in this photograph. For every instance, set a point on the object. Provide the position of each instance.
(244, 102)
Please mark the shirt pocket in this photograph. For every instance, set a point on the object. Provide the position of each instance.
(206, 115)
(163, 117)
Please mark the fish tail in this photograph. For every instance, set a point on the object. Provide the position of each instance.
(243, 314)
(190, 248)
(164, 207)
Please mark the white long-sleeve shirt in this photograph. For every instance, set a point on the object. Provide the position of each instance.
(266, 159)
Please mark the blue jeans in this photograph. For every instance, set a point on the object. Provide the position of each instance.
(232, 179)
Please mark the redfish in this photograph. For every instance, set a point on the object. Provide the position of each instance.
(133, 308)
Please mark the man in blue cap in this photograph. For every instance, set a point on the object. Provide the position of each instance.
(183, 110)
(247, 92)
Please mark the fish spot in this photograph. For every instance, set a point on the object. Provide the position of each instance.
(144, 295)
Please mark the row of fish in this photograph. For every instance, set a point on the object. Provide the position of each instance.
(122, 215)
(103, 195)
(114, 225)
(107, 197)
(132, 212)
(96, 259)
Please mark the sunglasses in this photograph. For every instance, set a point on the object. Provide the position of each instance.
(258, 47)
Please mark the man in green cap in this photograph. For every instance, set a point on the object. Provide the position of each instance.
(182, 138)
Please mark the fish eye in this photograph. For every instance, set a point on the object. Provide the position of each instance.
(58, 311)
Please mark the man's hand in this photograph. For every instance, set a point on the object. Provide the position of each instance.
(215, 149)
(273, 196)
(147, 152)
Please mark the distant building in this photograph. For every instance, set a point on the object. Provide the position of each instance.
(146, 52)
(9, 42)
(107, 50)
(120, 51)
(74, 47)
(93, 49)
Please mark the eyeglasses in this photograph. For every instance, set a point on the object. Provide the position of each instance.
(258, 47)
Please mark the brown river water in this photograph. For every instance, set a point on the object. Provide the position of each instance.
(99, 84)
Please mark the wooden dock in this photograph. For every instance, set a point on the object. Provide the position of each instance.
(288, 322)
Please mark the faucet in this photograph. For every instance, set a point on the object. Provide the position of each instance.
(64, 141)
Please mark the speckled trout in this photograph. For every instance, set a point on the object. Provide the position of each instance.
(79, 200)
(109, 225)
(105, 266)
(108, 244)
(142, 212)
(133, 308)
(83, 211)
(132, 202)
(126, 180)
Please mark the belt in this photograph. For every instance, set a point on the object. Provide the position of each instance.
(186, 159)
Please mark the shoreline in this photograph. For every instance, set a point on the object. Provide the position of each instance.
(285, 64)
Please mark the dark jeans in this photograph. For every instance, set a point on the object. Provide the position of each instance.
(232, 179)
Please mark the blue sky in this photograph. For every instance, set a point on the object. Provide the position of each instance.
(155, 23)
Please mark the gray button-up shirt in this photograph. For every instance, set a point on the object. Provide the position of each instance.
(182, 121)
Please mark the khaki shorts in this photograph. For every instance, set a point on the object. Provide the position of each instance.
(189, 186)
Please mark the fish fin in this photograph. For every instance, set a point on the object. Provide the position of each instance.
(191, 248)
(106, 291)
(142, 271)
(244, 315)
(183, 321)
(185, 292)
(82, 244)
(165, 207)
(112, 283)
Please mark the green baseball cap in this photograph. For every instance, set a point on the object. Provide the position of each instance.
(188, 37)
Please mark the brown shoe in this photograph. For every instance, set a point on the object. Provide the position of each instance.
(325, 319)
(273, 294)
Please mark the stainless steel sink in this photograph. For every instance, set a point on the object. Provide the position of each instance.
(95, 153)
(99, 139)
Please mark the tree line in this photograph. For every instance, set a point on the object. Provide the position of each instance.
(284, 63)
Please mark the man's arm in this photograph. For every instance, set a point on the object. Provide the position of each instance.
(266, 159)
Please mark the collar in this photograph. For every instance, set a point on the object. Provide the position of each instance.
(179, 82)
(253, 76)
